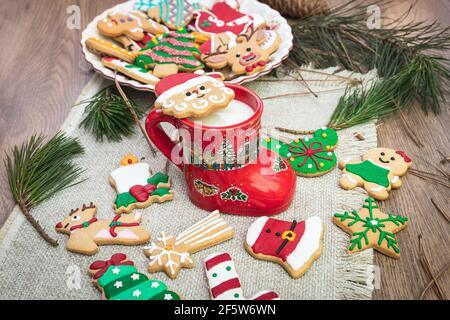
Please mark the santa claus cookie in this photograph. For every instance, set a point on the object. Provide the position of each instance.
(378, 172)
(136, 187)
(371, 228)
(294, 245)
(192, 95)
(118, 279)
(224, 282)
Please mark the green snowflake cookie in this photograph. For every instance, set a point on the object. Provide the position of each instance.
(310, 157)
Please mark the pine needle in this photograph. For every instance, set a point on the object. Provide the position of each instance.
(37, 171)
(107, 115)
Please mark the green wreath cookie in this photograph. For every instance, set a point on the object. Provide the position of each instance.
(310, 157)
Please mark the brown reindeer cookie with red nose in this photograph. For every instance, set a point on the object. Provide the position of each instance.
(247, 53)
(86, 232)
(378, 172)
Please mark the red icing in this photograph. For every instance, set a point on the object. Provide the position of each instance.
(225, 286)
(404, 156)
(113, 225)
(142, 193)
(267, 296)
(117, 259)
(268, 243)
(211, 263)
(175, 42)
(172, 51)
(309, 152)
(255, 65)
(177, 60)
(81, 226)
(59, 225)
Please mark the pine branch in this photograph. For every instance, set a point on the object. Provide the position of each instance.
(37, 171)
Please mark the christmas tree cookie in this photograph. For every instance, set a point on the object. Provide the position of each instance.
(136, 187)
(310, 157)
(170, 53)
(119, 279)
(371, 228)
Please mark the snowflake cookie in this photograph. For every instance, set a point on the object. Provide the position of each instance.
(371, 228)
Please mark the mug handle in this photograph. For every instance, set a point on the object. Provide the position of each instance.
(157, 135)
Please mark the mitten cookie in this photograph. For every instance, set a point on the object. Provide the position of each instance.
(136, 187)
(118, 279)
(294, 245)
(378, 172)
(371, 228)
(191, 95)
(224, 282)
(310, 157)
(86, 232)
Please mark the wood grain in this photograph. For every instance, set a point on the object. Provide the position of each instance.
(43, 72)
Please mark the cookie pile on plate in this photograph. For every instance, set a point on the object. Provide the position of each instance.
(164, 37)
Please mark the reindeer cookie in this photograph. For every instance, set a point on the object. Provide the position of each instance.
(247, 54)
(378, 172)
(86, 232)
(136, 187)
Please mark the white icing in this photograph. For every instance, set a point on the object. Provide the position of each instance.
(347, 160)
(181, 106)
(217, 99)
(308, 244)
(377, 189)
(200, 104)
(167, 104)
(144, 75)
(235, 113)
(182, 87)
(255, 230)
(126, 177)
(122, 234)
(349, 178)
(199, 224)
(222, 276)
(310, 166)
(136, 30)
(215, 235)
(379, 165)
(394, 179)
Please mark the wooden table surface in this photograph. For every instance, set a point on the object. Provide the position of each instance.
(43, 72)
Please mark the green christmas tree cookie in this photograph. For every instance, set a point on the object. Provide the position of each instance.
(310, 157)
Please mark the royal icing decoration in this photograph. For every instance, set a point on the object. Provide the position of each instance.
(119, 279)
(131, 70)
(170, 254)
(86, 233)
(371, 228)
(378, 172)
(308, 156)
(136, 187)
(224, 282)
(294, 245)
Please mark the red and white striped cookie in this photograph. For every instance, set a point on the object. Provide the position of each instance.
(224, 282)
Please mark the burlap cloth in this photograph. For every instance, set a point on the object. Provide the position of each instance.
(30, 269)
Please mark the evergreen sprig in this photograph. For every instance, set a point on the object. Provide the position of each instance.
(408, 59)
(37, 171)
(107, 115)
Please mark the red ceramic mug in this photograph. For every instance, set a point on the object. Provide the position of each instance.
(234, 178)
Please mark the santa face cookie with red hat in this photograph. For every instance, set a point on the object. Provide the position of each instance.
(294, 245)
(186, 95)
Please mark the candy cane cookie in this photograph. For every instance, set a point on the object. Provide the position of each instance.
(130, 70)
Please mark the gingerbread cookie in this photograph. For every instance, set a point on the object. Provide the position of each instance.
(131, 25)
(102, 47)
(86, 232)
(172, 13)
(246, 56)
(378, 172)
(224, 282)
(186, 95)
(371, 228)
(118, 279)
(170, 254)
(136, 187)
(130, 70)
(294, 245)
(310, 157)
(171, 53)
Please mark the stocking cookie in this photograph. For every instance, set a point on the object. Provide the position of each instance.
(170, 254)
(102, 47)
(378, 172)
(192, 95)
(293, 245)
(136, 187)
(118, 279)
(86, 232)
(130, 70)
(224, 282)
(171, 53)
(371, 228)
(310, 157)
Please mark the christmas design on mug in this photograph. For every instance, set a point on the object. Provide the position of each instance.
(205, 189)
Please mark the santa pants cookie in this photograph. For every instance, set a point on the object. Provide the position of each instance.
(294, 245)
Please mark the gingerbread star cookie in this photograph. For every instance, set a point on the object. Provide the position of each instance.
(371, 228)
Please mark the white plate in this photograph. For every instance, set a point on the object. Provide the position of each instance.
(246, 6)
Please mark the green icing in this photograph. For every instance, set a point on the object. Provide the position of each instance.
(114, 273)
(117, 286)
(160, 192)
(370, 172)
(124, 200)
(166, 295)
(158, 178)
(132, 66)
(146, 290)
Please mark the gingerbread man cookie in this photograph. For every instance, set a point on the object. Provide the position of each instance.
(371, 228)
(378, 172)
(118, 279)
(136, 187)
(86, 232)
(294, 245)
